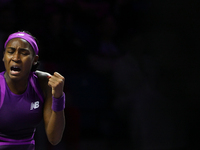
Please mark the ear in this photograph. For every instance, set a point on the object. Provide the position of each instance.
(35, 59)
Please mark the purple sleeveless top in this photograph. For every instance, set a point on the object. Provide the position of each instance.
(20, 114)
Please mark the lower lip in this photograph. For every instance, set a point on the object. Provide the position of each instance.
(14, 72)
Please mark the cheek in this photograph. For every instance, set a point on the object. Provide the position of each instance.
(28, 63)
(6, 63)
(5, 60)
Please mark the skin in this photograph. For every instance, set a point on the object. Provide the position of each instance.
(19, 53)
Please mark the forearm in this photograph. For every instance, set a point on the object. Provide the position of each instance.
(54, 116)
(55, 127)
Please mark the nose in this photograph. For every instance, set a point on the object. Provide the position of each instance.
(16, 56)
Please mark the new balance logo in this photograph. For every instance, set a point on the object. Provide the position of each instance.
(20, 34)
(34, 105)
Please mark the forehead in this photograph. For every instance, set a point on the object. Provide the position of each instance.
(19, 42)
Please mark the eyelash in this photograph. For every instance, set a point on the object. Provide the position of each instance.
(24, 53)
(11, 52)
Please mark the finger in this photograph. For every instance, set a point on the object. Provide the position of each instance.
(56, 74)
(54, 81)
(56, 77)
(53, 78)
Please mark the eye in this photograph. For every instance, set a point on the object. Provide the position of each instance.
(25, 53)
(10, 51)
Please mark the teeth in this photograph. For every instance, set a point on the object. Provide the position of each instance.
(14, 68)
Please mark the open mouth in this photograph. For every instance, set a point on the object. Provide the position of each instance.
(15, 69)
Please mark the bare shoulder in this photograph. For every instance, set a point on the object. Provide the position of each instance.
(43, 81)
(42, 74)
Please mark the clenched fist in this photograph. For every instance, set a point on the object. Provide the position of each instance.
(56, 82)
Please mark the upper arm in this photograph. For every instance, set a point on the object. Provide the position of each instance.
(43, 81)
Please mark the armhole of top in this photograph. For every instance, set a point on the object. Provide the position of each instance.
(2, 89)
(36, 87)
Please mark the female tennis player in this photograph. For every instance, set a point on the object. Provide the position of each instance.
(28, 96)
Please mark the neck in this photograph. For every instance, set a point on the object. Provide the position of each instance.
(16, 86)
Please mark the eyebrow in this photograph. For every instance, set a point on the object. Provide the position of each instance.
(23, 49)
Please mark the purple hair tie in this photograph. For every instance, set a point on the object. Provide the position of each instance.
(26, 37)
(58, 104)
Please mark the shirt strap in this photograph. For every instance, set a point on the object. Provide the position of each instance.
(2, 88)
(35, 86)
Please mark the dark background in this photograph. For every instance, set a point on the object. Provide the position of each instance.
(131, 69)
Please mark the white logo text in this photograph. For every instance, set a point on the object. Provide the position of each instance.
(34, 105)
